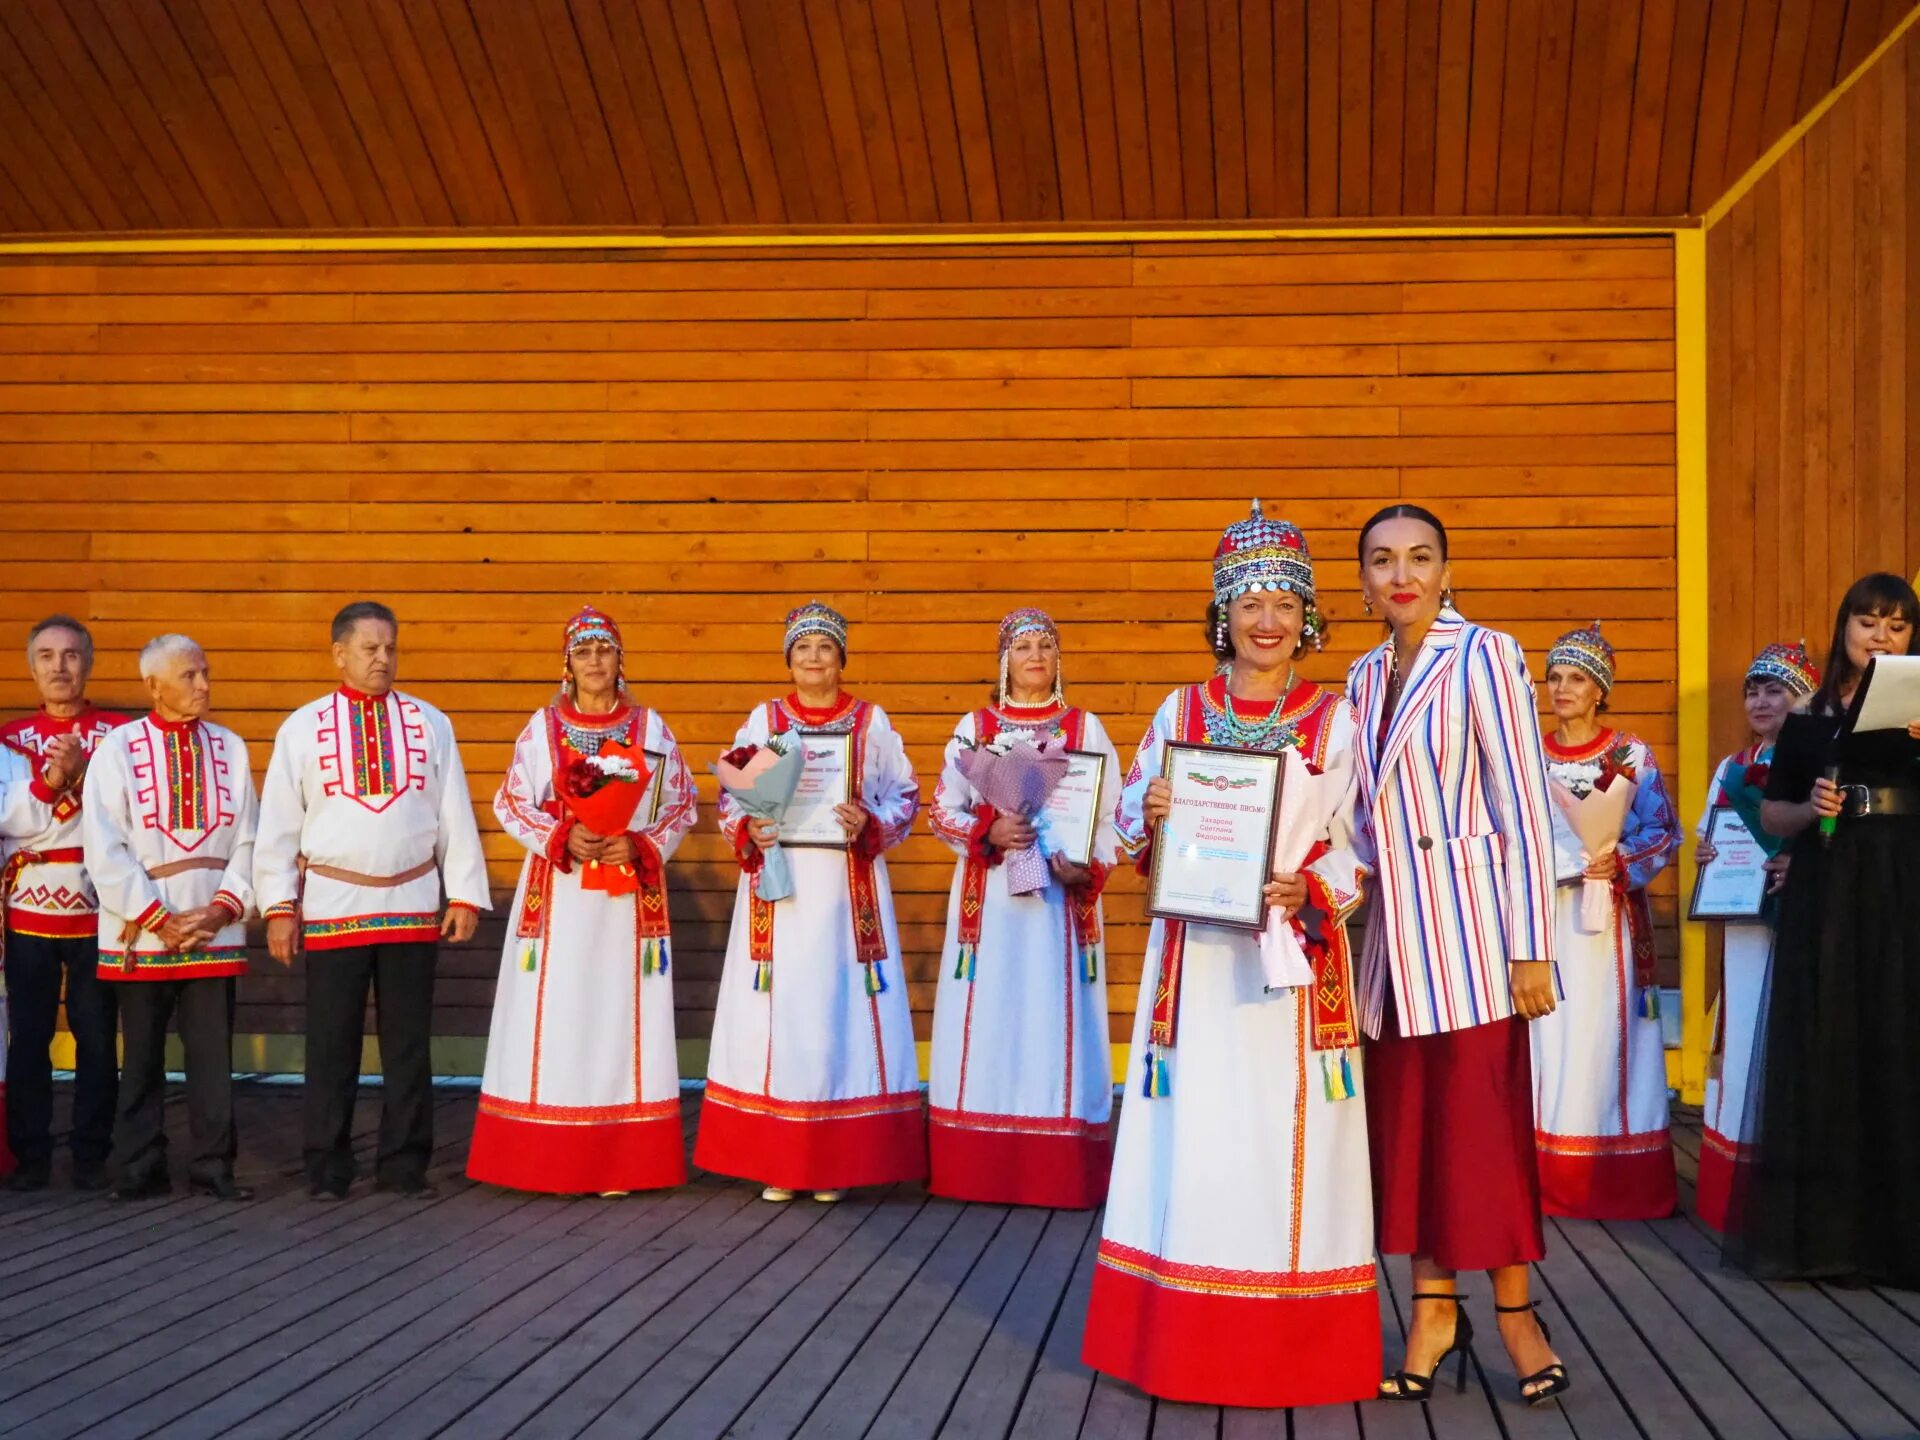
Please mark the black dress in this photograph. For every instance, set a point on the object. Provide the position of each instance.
(1835, 1190)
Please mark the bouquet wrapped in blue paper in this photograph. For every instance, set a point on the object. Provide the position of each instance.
(761, 779)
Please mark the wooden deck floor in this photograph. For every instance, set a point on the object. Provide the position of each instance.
(706, 1312)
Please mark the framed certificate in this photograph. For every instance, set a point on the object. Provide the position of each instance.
(1213, 854)
(1070, 819)
(1732, 885)
(649, 810)
(825, 781)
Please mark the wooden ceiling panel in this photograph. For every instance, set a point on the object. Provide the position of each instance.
(197, 115)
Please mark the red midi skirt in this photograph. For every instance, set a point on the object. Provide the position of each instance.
(1456, 1176)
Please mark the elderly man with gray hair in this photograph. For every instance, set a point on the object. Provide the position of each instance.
(168, 818)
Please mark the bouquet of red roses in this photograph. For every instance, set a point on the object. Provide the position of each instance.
(602, 792)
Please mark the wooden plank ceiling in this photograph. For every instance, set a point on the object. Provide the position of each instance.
(145, 115)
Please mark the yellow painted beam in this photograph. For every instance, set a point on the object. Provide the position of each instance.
(523, 240)
(1690, 440)
(1720, 208)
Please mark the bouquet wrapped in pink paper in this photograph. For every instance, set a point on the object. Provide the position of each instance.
(1016, 775)
(1596, 819)
(761, 779)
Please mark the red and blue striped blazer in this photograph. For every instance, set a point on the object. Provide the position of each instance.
(1454, 816)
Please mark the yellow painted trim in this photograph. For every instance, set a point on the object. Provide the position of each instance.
(1719, 209)
(655, 240)
(1690, 441)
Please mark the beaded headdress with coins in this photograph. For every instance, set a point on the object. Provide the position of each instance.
(1261, 554)
(1585, 649)
(589, 625)
(814, 618)
(1029, 621)
(1790, 665)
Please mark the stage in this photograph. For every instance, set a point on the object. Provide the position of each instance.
(705, 1312)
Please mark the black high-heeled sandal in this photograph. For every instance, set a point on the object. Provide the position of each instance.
(1406, 1385)
(1553, 1379)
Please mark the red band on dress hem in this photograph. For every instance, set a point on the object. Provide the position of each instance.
(572, 1159)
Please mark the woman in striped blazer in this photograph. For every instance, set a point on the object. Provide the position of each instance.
(1453, 816)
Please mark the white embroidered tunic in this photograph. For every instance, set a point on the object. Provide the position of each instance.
(371, 789)
(167, 819)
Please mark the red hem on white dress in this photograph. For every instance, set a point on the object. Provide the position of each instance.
(575, 1159)
(1221, 1349)
(1720, 1179)
(829, 1152)
(1003, 1167)
(1638, 1185)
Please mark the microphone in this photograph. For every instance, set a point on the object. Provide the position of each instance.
(1830, 823)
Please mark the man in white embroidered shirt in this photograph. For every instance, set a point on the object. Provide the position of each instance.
(365, 803)
(166, 825)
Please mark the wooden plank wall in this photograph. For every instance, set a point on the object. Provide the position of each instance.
(1814, 378)
(234, 447)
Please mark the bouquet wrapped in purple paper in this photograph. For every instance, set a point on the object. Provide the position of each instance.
(1015, 775)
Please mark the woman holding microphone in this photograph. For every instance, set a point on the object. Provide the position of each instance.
(1831, 1193)
(1458, 956)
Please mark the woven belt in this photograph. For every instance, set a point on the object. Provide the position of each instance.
(180, 867)
(1860, 802)
(374, 882)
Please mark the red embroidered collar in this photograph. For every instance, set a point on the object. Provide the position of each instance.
(576, 716)
(361, 696)
(1592, 750)
(1295, 701)
(172, 727)
(1030, 714)
(814, 715)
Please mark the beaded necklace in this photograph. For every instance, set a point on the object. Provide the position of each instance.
(1225, 727)
(585, 734)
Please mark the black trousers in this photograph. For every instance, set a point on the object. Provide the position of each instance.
(36, 965)
(202, 1011)
(401, 977)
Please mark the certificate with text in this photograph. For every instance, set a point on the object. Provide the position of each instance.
(1070, 818)
(825, 781)
(1732, 885)
(1213, 854)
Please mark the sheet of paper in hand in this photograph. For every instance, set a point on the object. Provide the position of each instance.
(825, 781)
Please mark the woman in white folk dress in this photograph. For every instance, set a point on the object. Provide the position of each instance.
(813, 1082)
(1021, 1090)
(582, 1086)
(1599, 1062)
(1236, 1262)
(1781, 677)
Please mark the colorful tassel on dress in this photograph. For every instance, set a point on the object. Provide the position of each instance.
(653, 957)
(1650, 1002)
(1154, 1083)
(1337, 1074)
(1090, 963)
(963, 963)
(529, 958)
(762, 976)
(876, 982)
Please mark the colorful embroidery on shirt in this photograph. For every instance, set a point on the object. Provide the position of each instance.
(373, 929)
(371, 739)
(186, 779)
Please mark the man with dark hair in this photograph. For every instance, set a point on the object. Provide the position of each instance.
(365, 804)
(52, 939)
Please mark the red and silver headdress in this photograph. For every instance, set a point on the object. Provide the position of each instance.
(1028, 621)
(589, 625)
(813, 618)
(1790, 665)
(1261, 554)
(1587, 650)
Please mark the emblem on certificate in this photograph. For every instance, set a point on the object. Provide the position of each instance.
(1732, 885)
(1213, 854)
(1070, 818)
(825, 781)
